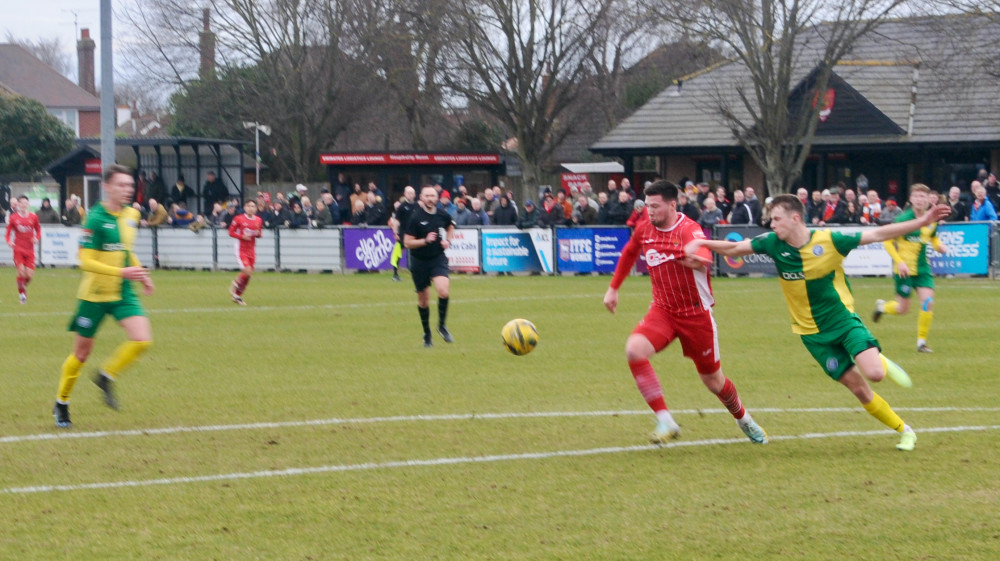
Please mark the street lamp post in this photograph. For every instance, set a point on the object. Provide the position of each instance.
(257, 129)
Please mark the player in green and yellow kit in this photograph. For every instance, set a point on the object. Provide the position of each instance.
(108, 266)
(910, 267)
(810, 266)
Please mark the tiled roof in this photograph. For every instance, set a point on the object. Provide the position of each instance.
(22, 73)
(929, 61)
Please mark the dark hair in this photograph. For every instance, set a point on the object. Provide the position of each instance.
(790, 203)
(111, 170)
(663, 188)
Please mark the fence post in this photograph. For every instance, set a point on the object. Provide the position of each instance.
(277, 249)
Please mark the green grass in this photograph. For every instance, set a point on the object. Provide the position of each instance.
(354, 442)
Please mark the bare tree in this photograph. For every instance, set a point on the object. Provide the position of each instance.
(523, 63)
(402, 40)
(777, 44)
(621, 38)
(281, 62)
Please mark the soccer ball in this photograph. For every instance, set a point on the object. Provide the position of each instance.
(519, 336)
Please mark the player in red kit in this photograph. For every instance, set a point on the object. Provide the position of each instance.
(246, 228)
(27, 231)
(681, 309)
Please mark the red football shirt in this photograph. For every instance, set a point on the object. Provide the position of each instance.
(242, 225)
(679, 290)
(25, 229)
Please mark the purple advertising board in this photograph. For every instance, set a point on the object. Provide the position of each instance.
(369, 249)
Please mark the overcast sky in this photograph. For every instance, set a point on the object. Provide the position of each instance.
(50, 19)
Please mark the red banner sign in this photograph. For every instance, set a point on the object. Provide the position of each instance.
(570, 180)
(387, 159)
(92, 166)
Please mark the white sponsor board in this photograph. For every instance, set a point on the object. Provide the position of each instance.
(463, 255)
(60, 246)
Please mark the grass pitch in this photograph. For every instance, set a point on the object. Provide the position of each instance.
(312, 424)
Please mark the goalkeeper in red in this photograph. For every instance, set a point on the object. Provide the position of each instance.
(23, 232)
(108, 266)
(911, 270)
(246, 228)
(681, 309)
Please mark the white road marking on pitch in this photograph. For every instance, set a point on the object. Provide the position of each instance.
(63, 434)
(446, 461)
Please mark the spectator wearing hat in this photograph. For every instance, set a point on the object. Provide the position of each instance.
(835, 210)
(296, 195)
(445, 203)
(463, 216)
(505, 214)
(890, 212)
(529, 218)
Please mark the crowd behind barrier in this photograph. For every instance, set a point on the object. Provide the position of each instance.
(972, 249)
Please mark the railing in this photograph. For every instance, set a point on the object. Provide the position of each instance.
(972, 249)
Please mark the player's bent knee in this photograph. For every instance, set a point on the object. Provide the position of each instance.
(638, 348)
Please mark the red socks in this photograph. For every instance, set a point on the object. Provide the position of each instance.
(648, 384)
(731, 399)
(241, 283)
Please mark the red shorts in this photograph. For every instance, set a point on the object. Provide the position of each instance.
(247, 259)
(699, 336)
(25, 257)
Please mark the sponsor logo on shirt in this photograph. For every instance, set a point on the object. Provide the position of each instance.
(654, 258)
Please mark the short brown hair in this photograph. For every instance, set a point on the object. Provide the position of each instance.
(790, 203)
(111, 170)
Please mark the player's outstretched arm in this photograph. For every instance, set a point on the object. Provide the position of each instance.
(896, 229)
(722, 247)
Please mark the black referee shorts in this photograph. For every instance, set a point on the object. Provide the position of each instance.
(423, 270)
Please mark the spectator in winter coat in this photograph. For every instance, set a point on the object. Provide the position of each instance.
(504, 214)
(530, 217)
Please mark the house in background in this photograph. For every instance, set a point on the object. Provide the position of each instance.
(78, 106)
(913, 102)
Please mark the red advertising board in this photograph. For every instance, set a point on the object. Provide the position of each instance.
(388, 159)
(570, 180)
(92, 166)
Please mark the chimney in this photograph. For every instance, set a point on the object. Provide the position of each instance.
(206, 44)
(85, 61)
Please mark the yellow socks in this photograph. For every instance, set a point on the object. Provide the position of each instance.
(924, 320)
(881, 410)
(70, 372)
(892, 308)
(124, 355)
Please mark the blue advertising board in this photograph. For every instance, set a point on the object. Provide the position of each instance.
(590, 250)
(511, 250)
(967, 249)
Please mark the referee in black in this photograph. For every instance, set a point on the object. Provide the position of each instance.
(427, 236)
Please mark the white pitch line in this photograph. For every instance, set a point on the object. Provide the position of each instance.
(302, 307)
(436, 462)
(63, 434)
